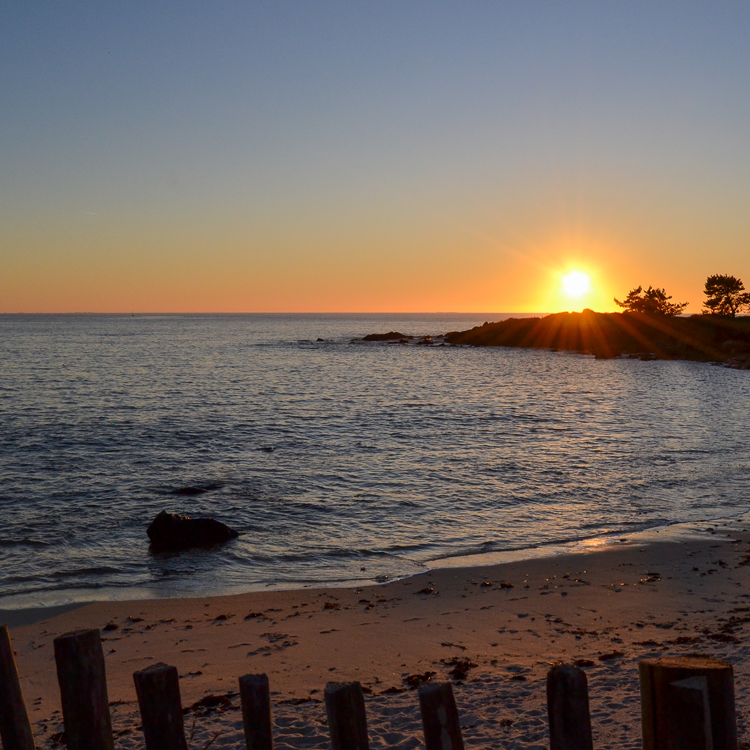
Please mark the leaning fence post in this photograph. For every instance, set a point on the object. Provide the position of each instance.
(158, 691)
(347, 721)
(83, 691)
(442, 730)
(255, 697)
(15, 729)
(663, 704)
(568, 709)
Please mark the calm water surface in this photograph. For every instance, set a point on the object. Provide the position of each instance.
(338, 461)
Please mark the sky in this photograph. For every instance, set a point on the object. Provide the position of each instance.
(389, 156)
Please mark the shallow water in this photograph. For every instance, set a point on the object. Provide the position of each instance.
(337, 461)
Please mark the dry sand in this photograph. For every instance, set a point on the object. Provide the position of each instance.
(493, 630)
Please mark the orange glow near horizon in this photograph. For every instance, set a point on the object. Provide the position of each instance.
(576, 284)
(199, 266)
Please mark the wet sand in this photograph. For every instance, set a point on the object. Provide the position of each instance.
(493, 630)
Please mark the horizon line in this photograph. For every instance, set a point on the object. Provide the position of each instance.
(281, 312)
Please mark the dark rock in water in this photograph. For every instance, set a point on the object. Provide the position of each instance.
(605, 353)
(169, 531)
(196, 490)
(739, 363)
(390, 336)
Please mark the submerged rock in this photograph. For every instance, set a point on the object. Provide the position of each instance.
(170, 531)
(197, 490)
(390, 336)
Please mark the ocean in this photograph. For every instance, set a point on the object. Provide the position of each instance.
(339, 462)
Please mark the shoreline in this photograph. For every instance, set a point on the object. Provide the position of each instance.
(494, 630)
(677, 530)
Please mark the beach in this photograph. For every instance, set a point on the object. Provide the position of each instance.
(494, 631)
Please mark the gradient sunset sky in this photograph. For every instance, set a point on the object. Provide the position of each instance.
(369, 156)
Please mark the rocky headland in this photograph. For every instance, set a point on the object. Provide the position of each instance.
(705, 338)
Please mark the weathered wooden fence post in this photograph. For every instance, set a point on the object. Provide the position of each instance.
(666, 705)
(442, 729)
(158, 691)
(568, 709)
(15, 729)
(83, 691)
(689, 715)
(347, 721)
(255, 696)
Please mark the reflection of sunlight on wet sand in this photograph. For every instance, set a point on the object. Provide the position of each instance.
(678, 532)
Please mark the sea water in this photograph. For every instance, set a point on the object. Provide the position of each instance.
(338, 461)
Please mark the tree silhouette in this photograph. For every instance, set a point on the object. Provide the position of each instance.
(653, 301)
(726, 296)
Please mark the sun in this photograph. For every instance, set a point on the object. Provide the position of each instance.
(576, 284)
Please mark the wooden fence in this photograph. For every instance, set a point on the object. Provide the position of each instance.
(687, 704)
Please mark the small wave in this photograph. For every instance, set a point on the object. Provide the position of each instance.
(23, 543)
(487, 547)
(617, 527)
(341, 553)
(103, 570)
(63, 575)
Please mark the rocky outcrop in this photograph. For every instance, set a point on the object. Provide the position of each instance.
(707, 338)
(170, 531)
(390, 336)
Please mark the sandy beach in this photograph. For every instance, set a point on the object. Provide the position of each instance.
(493, 630)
